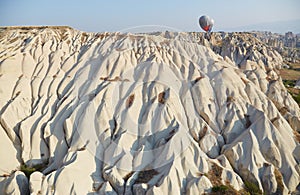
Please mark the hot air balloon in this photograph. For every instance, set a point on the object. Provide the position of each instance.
(206, 23)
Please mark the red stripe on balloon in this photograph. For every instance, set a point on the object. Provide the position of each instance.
(206, 28)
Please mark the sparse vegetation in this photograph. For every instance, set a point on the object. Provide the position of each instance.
(297, 136)
(221, 188)
(292, 73)
(224, 190)
(214, 175)
(28, 170)
(278, 177)
(295, 93)
(290, 76)
(227, 190)
(252, 188)
(296, 98)
(289, 83)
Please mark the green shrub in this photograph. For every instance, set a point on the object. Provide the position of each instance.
(27, 170)
(297, 98)
(221, 188)
(289, 83)
(226, 190)
(252, 188)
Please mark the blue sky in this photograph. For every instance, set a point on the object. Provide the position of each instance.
(117, 15)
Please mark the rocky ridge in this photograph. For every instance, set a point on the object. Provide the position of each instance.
(158, 113)
(288, 45)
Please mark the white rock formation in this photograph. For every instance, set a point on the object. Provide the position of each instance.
(158, 113)
(16, 183)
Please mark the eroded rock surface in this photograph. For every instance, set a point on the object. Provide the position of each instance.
(158, 113)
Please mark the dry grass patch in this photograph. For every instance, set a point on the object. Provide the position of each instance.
(288, 74)
(297, 136)
(293, 73)
(214, 175)
(279, 179)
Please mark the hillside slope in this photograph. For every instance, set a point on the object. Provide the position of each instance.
(159, 113)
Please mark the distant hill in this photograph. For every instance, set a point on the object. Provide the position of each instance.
(276, 27)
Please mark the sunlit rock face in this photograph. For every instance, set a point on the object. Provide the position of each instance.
(156, 113)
